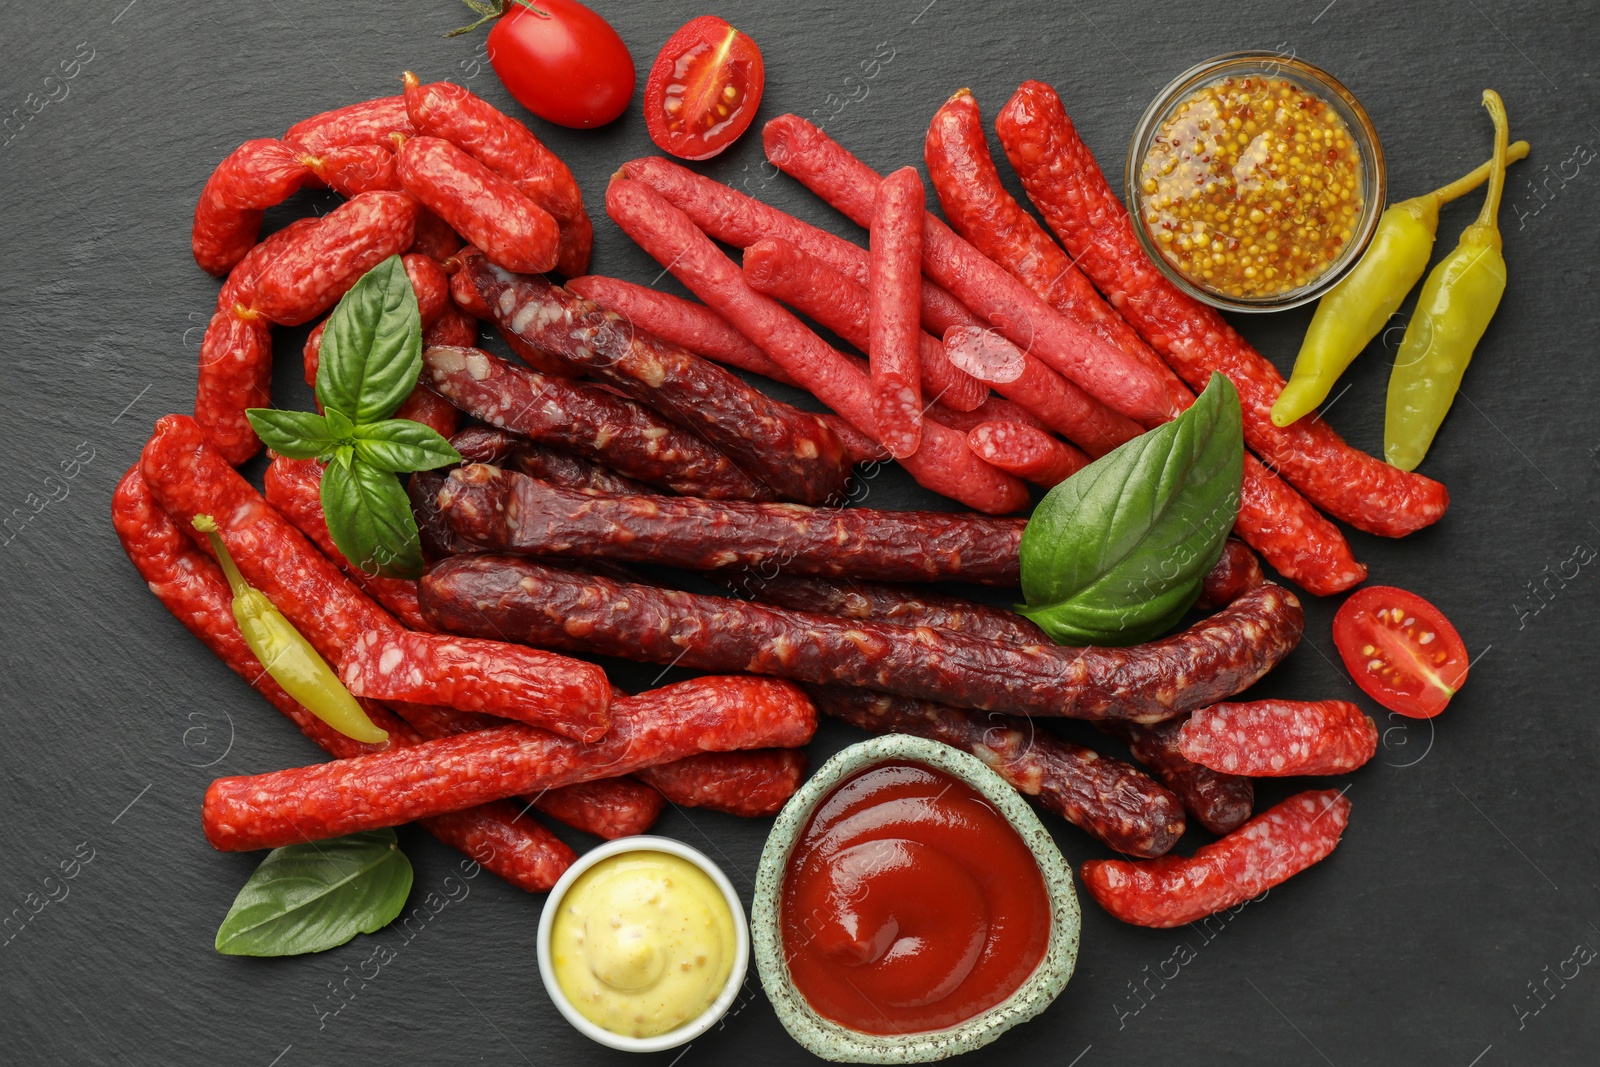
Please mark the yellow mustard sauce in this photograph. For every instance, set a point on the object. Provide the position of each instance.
(643, 943)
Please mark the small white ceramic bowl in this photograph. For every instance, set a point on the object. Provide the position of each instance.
(696, 1026)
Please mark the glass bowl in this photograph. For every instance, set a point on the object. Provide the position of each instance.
(1374, 183)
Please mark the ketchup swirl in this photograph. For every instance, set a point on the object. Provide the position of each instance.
(910, 903)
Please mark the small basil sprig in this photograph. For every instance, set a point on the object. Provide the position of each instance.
(370, 360)
(318, 895)
(1118, 552)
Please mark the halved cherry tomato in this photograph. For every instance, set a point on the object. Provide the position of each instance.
(704, 89)
(562, 62)
(1401, 650)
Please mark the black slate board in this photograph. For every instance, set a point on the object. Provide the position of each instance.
(1451, 927)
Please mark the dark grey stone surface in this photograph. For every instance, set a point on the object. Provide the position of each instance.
(1451, 927)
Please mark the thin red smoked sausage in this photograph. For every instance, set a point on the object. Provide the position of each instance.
(820, 163)
(786, 272)
(1274, 738)
(369, 122)
(606, 807)
(442, 109)
(792, 451)
(511, 512)
(944, 463)
(1237, 571)
(1220, 802)
(683, 322)
(191, 586)
(1069, 190)
(227, 218)
(894, 352)
(482, 206)
(750, 784)
(1105, 797)
(1030, 454)
(311, 273)
(235, 374)
(1301, 544)
(1264, 852)
(505, 596)
(389, 788)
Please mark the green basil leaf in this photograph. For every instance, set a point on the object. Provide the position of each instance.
(369, 517)
(402, 446)
(1117, 553)
(318, 895)
(296, 434)
(339, 425)
(372, 346)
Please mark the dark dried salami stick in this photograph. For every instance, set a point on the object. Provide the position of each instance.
(1275, 738)
(481, 205)
(502, 448)
(586, 419)
(606, 807)
(514, 513)
(1106, 798)
(714, 714)
(559, 694)
(438, 539)
(191, 586)
(1221, 802)
(1264, 852)
(901, 605)
(748, 784)
(790, 450)
(824, 166)
(441, 109)
(512, 597)
(369, 122)
(294, 488)
(1067, 186)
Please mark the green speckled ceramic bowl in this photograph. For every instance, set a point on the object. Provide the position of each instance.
(841, 1044)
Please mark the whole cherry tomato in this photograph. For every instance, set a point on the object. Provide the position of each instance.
(1401, 650)
(704, 89)
(562, 62)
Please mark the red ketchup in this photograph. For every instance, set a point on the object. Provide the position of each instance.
(910, 903)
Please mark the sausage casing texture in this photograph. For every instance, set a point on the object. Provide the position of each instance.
(191, 586)
(606, 807)
(894, 351)
(502, 448)
(749, 784)
(442, 109)
(311, 273)
(683, 322)
(479, 204)
(820, 163)
(1109, 799)
(557, 693)
(1030, 454)
(389, 788)
(903, 605)
(1275, 738)
(943, 463)
(1067, 186)
(517, 598)
(586, 419)
(1220, 802)
(514, 513)
(792, 451)
(227, 218)
(368, 122)
(235, 374)
(1237, 571)
(1264, 852)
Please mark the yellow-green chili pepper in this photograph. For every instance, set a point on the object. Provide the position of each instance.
(1353, 311)
(287, 656)
(1457, 302)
